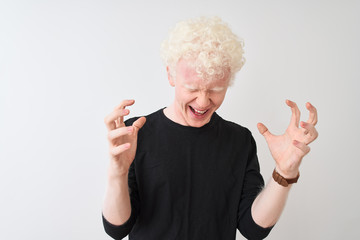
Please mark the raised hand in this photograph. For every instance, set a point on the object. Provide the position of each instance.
(122, 139)
(289, 148)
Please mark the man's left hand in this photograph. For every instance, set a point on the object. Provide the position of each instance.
(289, 148)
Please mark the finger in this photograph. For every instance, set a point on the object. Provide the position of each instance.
(310, 131)
(302, 146)
(114, 151)
(313, 116)
(263, 130)
(139, 123)
(122, 105)
(295, 116)
(125, 103)
(112, 120)
(116, 133)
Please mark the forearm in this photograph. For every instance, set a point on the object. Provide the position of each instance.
(117, 206)
(269, 204)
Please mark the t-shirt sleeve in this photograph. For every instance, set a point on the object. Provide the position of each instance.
(121, 231)
(253, 184)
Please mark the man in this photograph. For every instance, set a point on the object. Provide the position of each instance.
(187, 173)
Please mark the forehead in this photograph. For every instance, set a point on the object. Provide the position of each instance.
(186, 72)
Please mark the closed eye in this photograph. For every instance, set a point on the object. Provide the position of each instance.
(192, 90)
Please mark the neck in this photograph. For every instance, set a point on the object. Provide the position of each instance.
(170, 112)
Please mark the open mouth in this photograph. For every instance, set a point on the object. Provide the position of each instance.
(198, 112)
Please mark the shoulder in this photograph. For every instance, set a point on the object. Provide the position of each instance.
(236, 134)
(234, 128)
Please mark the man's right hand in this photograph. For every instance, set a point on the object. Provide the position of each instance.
(122, 139)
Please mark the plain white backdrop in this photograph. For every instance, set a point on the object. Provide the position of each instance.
(64, 65)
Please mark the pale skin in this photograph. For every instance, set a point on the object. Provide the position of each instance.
(287, 149)
(122, 148)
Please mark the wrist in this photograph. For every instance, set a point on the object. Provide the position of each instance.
(116, 183)
(286, 173)
(285, 182)
(116, 174)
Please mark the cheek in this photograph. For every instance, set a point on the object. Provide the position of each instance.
(218, 99)
(183, 96)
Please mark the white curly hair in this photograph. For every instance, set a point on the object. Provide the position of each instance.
(215, 51)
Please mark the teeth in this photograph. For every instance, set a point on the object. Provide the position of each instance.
(200, 112)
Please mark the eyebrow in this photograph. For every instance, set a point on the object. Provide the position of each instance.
(215, 89)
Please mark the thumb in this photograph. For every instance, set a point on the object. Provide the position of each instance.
(263, 130)
(139, 123)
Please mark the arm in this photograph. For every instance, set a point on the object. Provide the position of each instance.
(117, 207)
(288, 151)
(119, 231)
(252, 185)
(122, 147)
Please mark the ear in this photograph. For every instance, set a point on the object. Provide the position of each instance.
(170, 78)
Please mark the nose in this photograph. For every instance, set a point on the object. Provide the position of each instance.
(203, 100)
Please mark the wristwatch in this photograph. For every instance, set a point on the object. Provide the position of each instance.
(284, 181)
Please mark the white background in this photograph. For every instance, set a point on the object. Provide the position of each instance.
(64, 65)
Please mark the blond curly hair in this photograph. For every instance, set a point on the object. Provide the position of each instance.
(216, 52)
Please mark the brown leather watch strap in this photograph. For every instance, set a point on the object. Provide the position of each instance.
(284, 181)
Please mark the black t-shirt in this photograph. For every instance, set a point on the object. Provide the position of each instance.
(192, 183)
